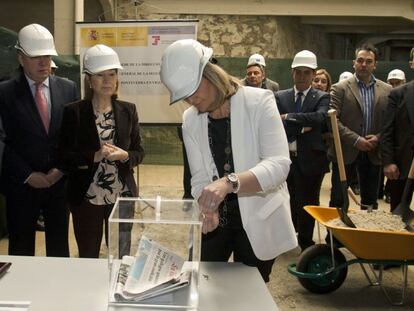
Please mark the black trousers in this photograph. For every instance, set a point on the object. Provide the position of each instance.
(368, 176)
(23, 207)
(222, 242)
(304, 190)
(88, 223)
(396, 188)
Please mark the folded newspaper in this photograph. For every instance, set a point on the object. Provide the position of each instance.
(154, 271)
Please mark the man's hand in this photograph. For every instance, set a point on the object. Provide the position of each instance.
(391, 171)
(373, 139)
(364, 144)
(38, 180)
(53, 176)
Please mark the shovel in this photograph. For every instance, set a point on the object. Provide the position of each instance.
(354, 198)
(342, 211)
(403, 209)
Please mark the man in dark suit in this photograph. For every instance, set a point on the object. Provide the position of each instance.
(397, 137)
(360, 102)
(31, 107)
(303, 110)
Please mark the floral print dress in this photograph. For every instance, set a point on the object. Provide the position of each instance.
(107, 184)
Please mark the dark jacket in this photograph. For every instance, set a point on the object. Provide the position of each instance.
(397, 133)
(28, 147)
(311, 148)
(79, 141)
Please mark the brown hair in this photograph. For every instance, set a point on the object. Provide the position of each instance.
(323, 71)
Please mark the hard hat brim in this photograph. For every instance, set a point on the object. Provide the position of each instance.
(206, 58)
(303, 65)
(102, 68)
(45, 52)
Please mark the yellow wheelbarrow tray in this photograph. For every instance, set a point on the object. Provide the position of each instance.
(323, 268)
(367, 244)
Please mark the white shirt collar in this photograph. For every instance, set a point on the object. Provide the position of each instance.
(32, 83)
(305, 92)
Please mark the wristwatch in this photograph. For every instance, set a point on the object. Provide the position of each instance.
(233, 179)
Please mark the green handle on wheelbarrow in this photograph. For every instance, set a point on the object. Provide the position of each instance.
(342, 211)
(403, 209)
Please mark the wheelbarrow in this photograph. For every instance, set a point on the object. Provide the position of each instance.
(323, 268)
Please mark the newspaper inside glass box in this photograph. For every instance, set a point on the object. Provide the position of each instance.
(154, 253)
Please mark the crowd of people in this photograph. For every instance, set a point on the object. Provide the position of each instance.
(256, 154)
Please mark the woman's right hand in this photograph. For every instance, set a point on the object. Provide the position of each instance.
(210, 220)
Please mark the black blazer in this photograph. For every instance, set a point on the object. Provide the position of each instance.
(397, 133)
(310, 145)
(28, 147)
(79, 141)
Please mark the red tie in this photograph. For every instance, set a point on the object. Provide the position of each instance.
(42, 105)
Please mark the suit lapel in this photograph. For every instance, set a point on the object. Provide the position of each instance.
(56, 105)
(377, 92)
(309, 101)
(120, 115)
(290, 102)
(353, 85)
(26, 102)
(410, 102)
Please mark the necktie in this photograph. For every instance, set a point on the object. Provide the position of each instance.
(298, 102)
(42, 106)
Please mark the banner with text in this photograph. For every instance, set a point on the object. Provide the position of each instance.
(140, 45)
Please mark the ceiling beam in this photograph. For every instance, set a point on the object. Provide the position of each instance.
(374, 8)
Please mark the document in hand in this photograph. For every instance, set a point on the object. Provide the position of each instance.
(154, 271)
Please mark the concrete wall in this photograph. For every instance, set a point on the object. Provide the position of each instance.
(18, 13)
(242, 35)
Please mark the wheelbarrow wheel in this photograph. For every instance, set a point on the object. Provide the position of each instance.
(318, 259)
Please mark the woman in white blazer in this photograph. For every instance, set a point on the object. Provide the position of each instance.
(238, 156)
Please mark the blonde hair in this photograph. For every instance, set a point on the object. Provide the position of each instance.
(225, 84)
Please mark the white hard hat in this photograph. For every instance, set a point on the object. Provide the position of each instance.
(256, 59)
(396, 74)
(35, 40)
(100, 58)
(53, 65)
(345, 75)
(305, 58)
(182, 67)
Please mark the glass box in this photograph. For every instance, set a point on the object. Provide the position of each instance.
(173, 224)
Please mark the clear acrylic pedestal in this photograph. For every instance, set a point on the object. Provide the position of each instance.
(174, 224)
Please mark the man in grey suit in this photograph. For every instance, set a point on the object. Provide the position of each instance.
(31, 107)
(397, 137)
(303, 110)
(360, 102)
